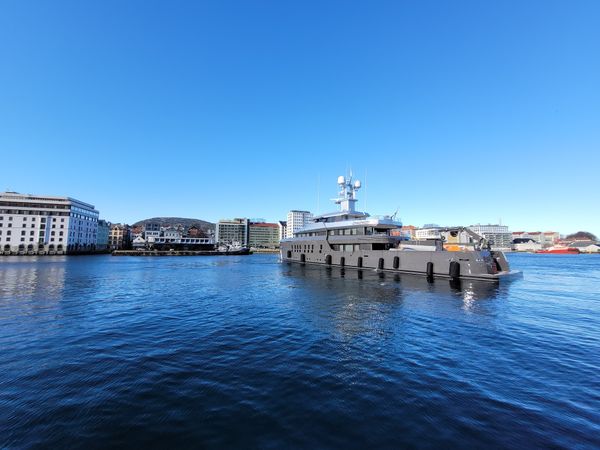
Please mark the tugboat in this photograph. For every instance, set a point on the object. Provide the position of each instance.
(352, 239)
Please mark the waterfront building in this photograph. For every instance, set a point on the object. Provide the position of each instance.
(586, 246)
(409, 232)
(119, 237)
(194, 231)
(426, 233)
(232, 231)
(172, 239)
(263, 235)
(102, 235)
(138, 243)
(136, 230)
(525, 245)
(151, 231)
(454, 238)
(297, 220)
(498, 235)
(31, 224)
(546, 238)
(282, 229)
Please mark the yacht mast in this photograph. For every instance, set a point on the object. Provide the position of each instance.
(347, 194)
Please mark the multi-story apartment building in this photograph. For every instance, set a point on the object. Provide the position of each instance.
(119, 237)
(102, 235)
(232, 231)
(263, 235)
(297, 220)
(498, 235)
(282, 229)
(31, 224)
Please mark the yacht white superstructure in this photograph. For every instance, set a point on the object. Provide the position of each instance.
(350, 238)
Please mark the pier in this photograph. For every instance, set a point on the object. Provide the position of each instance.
(180, 253)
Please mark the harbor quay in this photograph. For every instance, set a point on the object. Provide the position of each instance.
(55, 225)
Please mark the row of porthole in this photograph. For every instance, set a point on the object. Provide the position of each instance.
(453, 271)
(328, 261)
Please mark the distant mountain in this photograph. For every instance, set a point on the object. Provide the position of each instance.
(172, 221)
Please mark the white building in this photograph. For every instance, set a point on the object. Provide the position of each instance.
(586, 246)
(526, 245)
(546, 238)
(31, 224)
(297, 220)
(423, 234)
(498, 235)
(282, 229)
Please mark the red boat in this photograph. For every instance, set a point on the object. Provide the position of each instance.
(560, 250)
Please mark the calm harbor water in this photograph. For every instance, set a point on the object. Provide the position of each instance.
(246, 352)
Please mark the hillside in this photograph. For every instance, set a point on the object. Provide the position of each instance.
(582, 235)
(185, 222)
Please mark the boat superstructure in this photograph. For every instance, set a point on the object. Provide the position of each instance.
(354, 239)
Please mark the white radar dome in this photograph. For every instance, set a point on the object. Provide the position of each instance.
(357, 184)
(341, 180)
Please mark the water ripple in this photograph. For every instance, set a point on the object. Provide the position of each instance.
(246, 352)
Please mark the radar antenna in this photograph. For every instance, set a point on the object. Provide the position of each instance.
(347, 194)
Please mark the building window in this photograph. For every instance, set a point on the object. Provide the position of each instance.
(22, 239)
(31, 233)
(23, 233)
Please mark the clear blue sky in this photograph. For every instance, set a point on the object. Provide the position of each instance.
(459, 112)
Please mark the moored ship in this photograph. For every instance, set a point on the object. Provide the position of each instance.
(560, 250)
(354, 239)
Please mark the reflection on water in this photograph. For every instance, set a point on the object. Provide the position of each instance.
(383, 284)
(33, 276)
(366, 302)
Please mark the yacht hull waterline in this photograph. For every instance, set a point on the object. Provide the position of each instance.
(471, 266)
(352, 239)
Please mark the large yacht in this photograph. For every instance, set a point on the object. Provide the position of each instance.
(353, 239)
